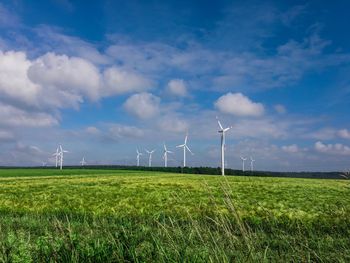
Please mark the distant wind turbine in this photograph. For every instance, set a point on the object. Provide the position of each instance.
(251, 164)
(165, 156)
(185, 147)
(61, 156)
(150, 157)
(243, 160)
(138, 157)
(83, 162)
(57, 156)
(222, 131)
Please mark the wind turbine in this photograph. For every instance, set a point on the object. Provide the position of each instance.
(83, 162)
(150, 157)
(185, 147)
(243, 160)
(165, 156)
(222, 131)
(252, 164)
(57, 155)
(44, 164)
(138, 157)
(61, 156)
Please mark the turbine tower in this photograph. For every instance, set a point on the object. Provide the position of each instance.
(57, 155)
(165, 155)
(61, 156)
(251, 164)
(150, 157)
(185, 147)
(138, 157)
(222, 131)
(243, 160)
(83, 162)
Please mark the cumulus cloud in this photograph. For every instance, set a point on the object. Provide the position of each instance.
(119, 81)
(344, 133)
(173, 124)
(57, 81)
(329, 133)
(12, 116)
(177, 87)
(142, 105)
(14, 82)
(239, 105)
(124, 131)
(70, 77)
(337, 148)
(290, 148)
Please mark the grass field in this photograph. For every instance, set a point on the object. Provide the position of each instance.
(127, 216)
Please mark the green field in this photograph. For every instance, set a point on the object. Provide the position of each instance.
(128, 216)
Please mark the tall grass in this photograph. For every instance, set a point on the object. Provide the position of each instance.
(191, 220)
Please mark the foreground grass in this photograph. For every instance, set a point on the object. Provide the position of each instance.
(116, 216)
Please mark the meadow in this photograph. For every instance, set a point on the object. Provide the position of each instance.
(79, 215)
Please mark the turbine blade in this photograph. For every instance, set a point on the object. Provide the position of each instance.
(189, 150)
(220, 125)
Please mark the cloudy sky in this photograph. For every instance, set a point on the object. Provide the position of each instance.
(105, 77)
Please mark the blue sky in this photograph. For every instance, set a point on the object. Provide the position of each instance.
(106, 77)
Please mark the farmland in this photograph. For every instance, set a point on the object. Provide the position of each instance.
(136, 216)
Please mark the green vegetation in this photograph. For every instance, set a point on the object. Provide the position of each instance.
(135, 216)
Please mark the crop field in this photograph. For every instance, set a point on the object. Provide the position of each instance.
(82, 215)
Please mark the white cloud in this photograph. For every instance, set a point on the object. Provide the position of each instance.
(142, 105)
(337, 148)
(119, 81)
(173, 124)
(177, 87)
(14, 82)
(51, 40)
(65, 77)
(280, 109)
(239, 105)
(344, 133)
(92, 130)
(12, 116)
(290, 148)
(6, 136)
(123, 131)
(329, 133)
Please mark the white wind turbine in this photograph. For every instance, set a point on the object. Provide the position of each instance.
(57, 156)
(243, 161)
(251, 164)
(185, 147)
(222, 131)
(83, 162)
(150, 157)
(61, 156)
(165, 155)
(138, 157)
